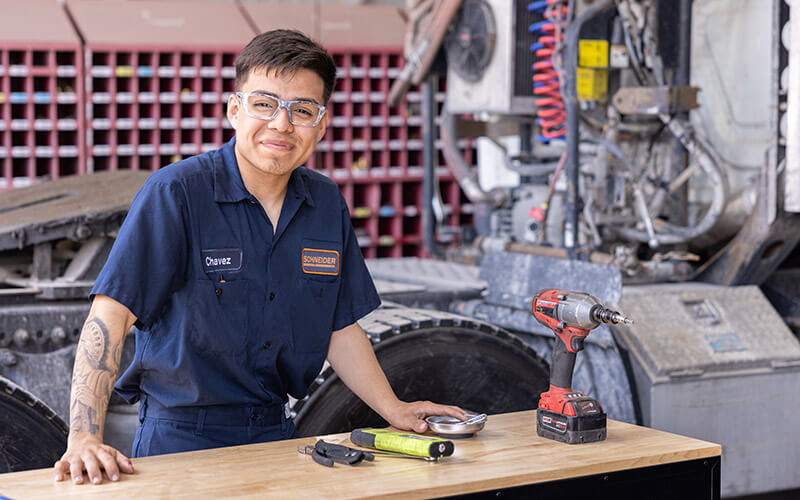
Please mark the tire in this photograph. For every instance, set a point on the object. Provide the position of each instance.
(32, 435)
(436, 356)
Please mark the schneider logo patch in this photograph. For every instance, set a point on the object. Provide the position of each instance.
(320, 261)
(226, 259)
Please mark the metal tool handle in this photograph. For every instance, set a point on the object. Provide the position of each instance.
(392, 454)
(474, 419)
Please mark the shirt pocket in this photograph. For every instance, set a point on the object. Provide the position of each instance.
(315, 295)
(313, 307)
(219, 316)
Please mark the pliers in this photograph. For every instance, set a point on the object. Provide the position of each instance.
(327, 453)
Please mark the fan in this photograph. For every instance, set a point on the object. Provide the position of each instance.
(470, 40)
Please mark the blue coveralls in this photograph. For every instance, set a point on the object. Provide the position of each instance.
(231, 317)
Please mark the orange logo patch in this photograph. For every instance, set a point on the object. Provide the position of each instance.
(315, 261)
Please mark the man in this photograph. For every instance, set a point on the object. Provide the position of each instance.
(235, 266)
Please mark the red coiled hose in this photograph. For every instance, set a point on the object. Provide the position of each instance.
(550, 114)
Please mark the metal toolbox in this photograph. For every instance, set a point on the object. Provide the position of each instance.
(718, 363)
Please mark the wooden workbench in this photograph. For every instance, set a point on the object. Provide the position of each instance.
(506, 455)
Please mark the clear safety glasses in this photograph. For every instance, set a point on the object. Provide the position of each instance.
(266, 107)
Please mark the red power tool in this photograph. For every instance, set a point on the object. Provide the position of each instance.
(566, 415)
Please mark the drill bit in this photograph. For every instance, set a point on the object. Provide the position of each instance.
(605, 315)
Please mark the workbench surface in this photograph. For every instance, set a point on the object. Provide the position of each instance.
(506, 453)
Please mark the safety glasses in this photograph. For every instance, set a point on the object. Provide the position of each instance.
(266, 107)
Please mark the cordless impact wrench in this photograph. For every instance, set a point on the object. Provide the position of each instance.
(566, 415)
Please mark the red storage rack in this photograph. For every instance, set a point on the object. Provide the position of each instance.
(158, 76)
(41, 94)
(372, 151)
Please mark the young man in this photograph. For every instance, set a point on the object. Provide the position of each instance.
(242, 273)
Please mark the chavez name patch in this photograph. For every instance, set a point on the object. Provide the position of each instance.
(316, 261)
(226, 259)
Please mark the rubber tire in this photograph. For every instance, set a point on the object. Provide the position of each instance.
(436, 356)
(32, 436)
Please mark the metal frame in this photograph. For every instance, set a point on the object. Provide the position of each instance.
(771, 232)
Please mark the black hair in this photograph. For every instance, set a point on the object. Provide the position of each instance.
(286, 51)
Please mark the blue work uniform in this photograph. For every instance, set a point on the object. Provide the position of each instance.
(231, 315)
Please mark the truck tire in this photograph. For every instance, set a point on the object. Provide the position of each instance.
(32, 436)
(431, 355)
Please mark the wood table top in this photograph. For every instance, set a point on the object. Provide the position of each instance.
(506, 453)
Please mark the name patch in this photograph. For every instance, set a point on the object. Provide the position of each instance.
(316, 261)
(225, 259)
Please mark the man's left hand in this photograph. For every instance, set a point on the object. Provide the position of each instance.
(411, 416)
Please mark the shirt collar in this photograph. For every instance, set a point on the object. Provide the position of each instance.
(298, 186)
(228, 184)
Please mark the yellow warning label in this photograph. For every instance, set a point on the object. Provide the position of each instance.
(2, 98)
(592, 84)
(593, 54)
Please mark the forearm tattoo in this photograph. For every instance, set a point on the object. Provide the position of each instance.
(96, 368)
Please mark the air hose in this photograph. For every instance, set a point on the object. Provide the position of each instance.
(550, 112)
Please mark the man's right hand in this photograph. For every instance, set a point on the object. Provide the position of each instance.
(86, 452)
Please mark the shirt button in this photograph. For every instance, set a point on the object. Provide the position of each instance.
(271, 295)
(266, 345)
(218, 291)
